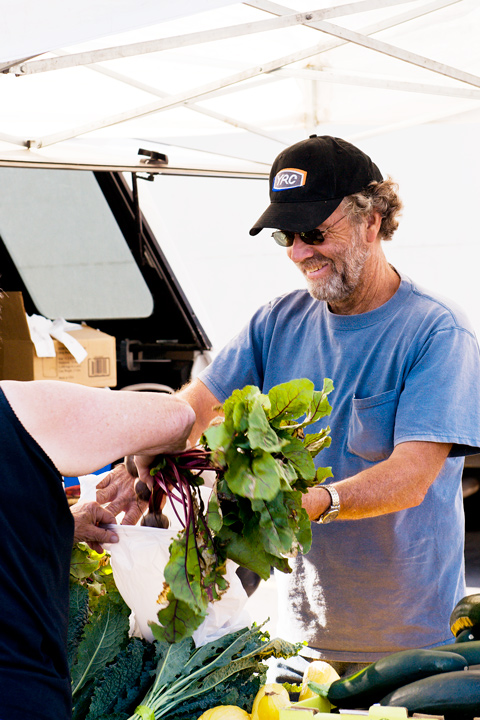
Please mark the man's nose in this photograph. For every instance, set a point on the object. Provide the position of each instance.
(299, 250)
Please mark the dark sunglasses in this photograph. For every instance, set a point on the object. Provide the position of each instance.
(286, 238)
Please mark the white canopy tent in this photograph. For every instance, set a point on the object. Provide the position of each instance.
(205, 67)
(235, 82)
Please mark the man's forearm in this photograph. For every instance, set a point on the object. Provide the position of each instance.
(397, 483)
(205, 405)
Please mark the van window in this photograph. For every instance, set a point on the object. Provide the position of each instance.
(67, 246)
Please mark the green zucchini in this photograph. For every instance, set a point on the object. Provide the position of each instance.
(468, 650)
(465, 614)
(468, 634)
(454, 695)
(373, 682)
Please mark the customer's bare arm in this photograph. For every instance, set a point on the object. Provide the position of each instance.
(397, 483)
(117, 488)
(82, 429)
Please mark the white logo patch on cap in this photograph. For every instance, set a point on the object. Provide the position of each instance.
(289, 178)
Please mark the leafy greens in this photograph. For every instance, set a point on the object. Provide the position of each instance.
(190, 680)
(110, 672)
(117, 677)
(264, 462)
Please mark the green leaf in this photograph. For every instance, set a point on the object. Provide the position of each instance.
(300, 458)
(177, 621)
(260, 433)
(287, 473)
(220, 651)
(320, 407)
(275, 530)
(279, 648)
(316, 442)
(118, 677)
(218, 436)
(323, 473)
(239, 690)
(246, 551)
(172, 660)
(303, 531)
(77, 619)
(83, 563)
(255, 479)
(104, 636)
(214, 512)
(240, 402)
(240, 416)
(327, 386)
(267, 477)
(290, 400)
(183, 573)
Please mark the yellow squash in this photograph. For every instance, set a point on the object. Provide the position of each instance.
(320, 672)
(225, 712)
(270, 705)
(273, 689)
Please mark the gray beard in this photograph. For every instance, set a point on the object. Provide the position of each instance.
(345, 276)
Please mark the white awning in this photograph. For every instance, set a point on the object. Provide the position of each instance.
(260, 74)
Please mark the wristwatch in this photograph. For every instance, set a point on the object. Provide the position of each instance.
(332, 511)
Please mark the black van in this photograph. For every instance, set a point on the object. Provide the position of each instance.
(75, 242)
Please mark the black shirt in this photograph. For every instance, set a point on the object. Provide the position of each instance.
(36, 536)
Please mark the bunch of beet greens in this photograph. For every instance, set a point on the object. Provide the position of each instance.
(263, 463)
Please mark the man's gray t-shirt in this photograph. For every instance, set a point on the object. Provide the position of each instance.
(406, 371)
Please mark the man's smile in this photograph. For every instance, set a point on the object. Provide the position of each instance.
(314, 267)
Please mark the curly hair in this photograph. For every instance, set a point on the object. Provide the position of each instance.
(381, 197)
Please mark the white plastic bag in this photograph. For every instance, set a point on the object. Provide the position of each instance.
(138, 561)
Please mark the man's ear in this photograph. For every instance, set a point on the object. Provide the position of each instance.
(374, 222)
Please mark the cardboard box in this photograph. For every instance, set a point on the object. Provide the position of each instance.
(19, 361)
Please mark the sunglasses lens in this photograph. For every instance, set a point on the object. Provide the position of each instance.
(283, 238)
(312, 237)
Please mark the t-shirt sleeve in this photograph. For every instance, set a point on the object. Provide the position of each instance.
(240, 362)
(440, 399)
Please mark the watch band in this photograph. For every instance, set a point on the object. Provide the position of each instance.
(332, 511)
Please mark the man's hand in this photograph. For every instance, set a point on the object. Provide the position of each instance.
(88, 516)
(116, 490)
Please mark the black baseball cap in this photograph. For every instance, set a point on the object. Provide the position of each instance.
(309, 180)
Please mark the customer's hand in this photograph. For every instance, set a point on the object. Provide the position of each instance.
(88, 516)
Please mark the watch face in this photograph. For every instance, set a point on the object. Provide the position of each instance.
(332, 512)
(331, 515)
(327, 517)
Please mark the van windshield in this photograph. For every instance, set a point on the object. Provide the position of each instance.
(68, 247)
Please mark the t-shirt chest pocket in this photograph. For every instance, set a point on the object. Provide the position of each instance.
(371, 426)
